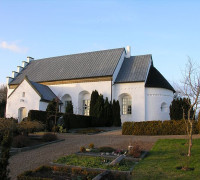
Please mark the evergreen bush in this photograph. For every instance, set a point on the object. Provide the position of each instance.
(176, 109)
(116, 113)
(69, 108)
(108, 113)
(93, 101)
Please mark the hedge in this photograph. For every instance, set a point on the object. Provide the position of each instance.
(169, 127)
(42, 117)
(79, 121)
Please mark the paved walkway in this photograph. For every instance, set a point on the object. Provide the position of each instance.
(34, 158)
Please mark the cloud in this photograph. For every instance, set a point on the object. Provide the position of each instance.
(13, 47)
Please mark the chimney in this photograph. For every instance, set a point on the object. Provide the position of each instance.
(128, 51)
(29, 59)
(19, 68)
(24, 63)
(8, 80)
(14, 74)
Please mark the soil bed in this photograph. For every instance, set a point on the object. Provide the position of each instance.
(95, 162)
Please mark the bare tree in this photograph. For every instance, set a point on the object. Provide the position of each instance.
(191, 90)
(3, 92)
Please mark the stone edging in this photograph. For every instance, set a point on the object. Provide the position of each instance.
(90, 169)
(13, 151)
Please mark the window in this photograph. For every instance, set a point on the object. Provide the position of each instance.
(164, 107)
(23, 94)
(86, 107)
(126, 105)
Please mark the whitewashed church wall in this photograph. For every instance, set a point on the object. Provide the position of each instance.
(16, 101)
(75, 89)
(137, 93)
(9, 91)
(43, 106)
(155, 97)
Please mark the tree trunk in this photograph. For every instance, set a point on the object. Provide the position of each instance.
(190, 139)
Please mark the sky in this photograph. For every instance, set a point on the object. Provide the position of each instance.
(168, 29)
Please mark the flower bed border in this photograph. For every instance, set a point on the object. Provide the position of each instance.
(14, 151)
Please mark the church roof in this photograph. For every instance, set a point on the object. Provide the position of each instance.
(75, 66)
(156, 79)
(134, 69)
(45, 92)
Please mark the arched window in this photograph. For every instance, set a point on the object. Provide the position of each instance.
(164, 107)
(125, 101)
(66, 99)
(126, 105)
(84, 103)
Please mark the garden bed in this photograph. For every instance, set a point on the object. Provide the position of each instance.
(68, 173)
(95, 162)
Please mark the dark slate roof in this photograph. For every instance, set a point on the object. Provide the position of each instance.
(134, 69)
(75, 66)
(45, 92)
(156, 79)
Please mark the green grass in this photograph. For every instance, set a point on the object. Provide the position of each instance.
(94, 162)
(165, 156)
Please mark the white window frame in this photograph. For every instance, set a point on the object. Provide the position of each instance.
(126, 105)
(86, 107)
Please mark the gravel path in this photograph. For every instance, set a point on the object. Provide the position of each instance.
(34, 158)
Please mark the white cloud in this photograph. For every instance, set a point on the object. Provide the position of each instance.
(13, 47)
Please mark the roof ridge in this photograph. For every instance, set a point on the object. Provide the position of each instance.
(78, 54)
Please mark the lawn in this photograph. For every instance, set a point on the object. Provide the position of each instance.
(165, 156)
(94, 162)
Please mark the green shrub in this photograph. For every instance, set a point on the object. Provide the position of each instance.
(176, 109)
(7, 125)
(20, 141)
(26, 127)
(5, 154)
(39, 115)
(170, 127)
(77, 121)
(69, 108)
(116, 113)
(49, 137)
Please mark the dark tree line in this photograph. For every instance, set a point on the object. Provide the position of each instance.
(3, 96)
(107, 112)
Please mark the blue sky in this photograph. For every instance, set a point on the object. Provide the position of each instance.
(168, 29)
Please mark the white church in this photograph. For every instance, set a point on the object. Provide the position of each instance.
(144, 94)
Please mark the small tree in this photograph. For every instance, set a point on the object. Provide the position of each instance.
(99, 107)
(52, 112)
(177, 106)
(93, 101)
(116, 113)
(108, 113)
(69, 108)
(191, 90)
(5, 155)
